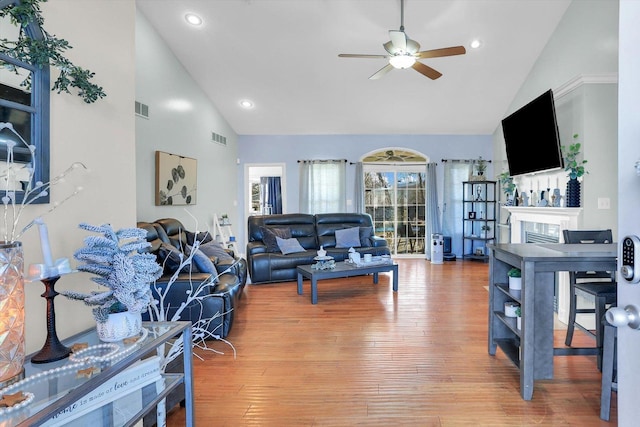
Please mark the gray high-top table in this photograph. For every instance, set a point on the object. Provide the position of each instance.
(342, 270)
(531, 348)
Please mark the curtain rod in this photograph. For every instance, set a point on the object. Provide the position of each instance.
(392, 164)
(323, 161)
(463, 160)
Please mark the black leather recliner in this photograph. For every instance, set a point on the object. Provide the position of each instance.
(311, 231)
(217, 310)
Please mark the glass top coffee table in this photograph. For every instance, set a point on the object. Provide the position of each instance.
(343, 269)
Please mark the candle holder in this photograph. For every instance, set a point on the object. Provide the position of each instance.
(52, 349)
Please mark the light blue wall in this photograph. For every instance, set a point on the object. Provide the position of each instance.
(289, 149)
(181, 120)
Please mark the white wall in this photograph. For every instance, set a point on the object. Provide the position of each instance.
(585, 43)
(181, 120)
(100, 135)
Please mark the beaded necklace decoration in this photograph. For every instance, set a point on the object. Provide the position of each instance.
(104, 354)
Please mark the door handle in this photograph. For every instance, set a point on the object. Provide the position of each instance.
(618, 316)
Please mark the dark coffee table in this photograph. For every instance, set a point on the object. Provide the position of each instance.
(343, 269)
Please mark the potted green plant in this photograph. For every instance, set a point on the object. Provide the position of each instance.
(481, 166)
(576, 169)
(519, 318)
(484, 230)
(508, 186)
(118, 261)
(515, 279)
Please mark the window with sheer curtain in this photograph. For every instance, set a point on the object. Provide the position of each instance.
(323, 186)
(455, 173)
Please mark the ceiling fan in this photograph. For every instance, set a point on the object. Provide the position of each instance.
(404, 53)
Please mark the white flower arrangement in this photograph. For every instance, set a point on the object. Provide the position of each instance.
(117, 258)
(13, 176)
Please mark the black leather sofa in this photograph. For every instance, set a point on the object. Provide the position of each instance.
(311, 231)
(225, 293)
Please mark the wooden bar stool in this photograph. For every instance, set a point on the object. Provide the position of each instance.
(601, 285)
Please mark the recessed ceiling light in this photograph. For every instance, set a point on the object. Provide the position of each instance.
(475, 44)
(245, 103)
(193, 19)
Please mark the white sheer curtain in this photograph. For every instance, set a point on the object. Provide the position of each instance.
(358, 193)
(455, 173)
(432, 220)
(323, 186)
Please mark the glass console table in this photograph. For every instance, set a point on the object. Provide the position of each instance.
(119, 391)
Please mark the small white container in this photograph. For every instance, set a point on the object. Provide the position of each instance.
(515, 283)
(510, 308)
(368, 257)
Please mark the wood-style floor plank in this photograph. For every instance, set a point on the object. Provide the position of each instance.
(365, 355)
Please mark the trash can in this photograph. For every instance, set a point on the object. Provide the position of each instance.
(437, 248)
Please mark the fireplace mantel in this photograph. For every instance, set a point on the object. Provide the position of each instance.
(565, 218)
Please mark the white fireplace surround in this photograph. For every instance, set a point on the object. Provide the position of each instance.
(565, 219)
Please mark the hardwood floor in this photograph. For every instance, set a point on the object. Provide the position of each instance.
(365, 355)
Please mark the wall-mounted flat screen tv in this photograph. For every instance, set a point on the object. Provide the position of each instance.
(531, 137)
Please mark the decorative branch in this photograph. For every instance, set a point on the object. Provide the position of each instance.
(197, 294)
(31, 192)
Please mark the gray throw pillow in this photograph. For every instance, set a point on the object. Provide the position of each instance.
(348, 238)
(215, 249)
(269, 235)
(365, 236)
(289, 246)
(202, 262)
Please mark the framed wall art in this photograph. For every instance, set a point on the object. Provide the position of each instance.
(176, 179)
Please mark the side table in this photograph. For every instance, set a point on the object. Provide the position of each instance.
(58, 387)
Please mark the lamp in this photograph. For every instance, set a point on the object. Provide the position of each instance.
(402, 60)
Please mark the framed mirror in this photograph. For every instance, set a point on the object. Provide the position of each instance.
(24, 102)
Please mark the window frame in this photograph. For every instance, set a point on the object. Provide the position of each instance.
(39, 110)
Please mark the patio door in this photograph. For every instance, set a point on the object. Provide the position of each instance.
(394, 196)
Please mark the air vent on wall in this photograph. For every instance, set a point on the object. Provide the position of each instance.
(218, 138)
(142, 110)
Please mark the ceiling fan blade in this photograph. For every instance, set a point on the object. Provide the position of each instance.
(445, 51)
(398, 42)
(381, 72)
(426, 70)
(356, 55)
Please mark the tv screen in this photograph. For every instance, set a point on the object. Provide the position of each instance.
(531, 137)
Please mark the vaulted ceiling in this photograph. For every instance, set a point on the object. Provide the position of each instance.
(283, 56)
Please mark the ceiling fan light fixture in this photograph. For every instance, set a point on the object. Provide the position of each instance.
(402, 60)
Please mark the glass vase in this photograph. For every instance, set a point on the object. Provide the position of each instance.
(12, 346)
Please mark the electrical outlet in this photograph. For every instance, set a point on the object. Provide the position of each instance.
(604, 203)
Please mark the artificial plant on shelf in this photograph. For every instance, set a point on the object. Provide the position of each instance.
(508, 186)
(118, 260)
(481, 166)
(576, 170)
(46, 51)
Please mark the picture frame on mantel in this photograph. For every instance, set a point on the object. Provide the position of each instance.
(176, 179)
